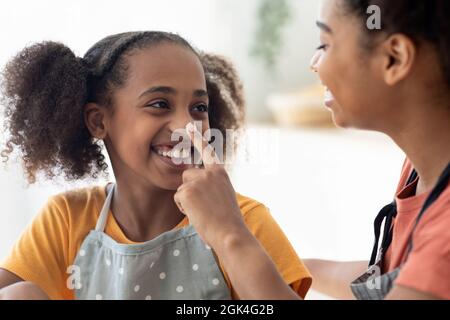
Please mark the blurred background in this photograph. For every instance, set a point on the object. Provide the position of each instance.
(323, 185)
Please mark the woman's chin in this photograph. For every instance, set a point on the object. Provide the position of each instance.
(339, 121)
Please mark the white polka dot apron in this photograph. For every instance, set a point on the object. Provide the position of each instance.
(175, 265)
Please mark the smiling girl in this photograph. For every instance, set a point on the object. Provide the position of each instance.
(126, 240)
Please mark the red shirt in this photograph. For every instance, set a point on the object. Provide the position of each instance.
(427, 267)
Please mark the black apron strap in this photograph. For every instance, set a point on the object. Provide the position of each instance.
(434, 195)
(386, 214)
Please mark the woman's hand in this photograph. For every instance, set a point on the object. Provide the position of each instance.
(23, 290)
(209, 200)
(207, 196)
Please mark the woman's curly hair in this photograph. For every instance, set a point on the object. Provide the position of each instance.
(46, 86)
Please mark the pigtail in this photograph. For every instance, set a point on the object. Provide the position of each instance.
(226, 96)
(44, 90)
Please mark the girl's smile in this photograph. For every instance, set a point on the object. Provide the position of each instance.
(172, 157)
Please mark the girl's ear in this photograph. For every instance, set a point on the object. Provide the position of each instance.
(95, 119)
(399, 53)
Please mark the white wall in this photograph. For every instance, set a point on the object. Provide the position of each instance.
(236, 28)
(323, 186)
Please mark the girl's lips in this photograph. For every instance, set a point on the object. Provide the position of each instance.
(328, 98)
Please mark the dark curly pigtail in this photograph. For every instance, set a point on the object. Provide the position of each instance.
(44, 92)
(226, 95)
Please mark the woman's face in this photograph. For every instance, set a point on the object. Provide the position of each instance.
(164, 91)
(355, 88)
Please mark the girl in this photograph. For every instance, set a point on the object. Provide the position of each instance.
(395, 80)
(126, 240)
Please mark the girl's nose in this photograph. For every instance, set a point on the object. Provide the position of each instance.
(315, 60)
(180, 120)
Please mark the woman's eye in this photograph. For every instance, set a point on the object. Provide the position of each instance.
(322, 47)
(159, 105)
(201, 108)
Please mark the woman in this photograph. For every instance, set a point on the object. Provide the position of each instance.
(394, 80)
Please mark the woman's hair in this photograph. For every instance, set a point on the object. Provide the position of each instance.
(421, 20)
(46, 86)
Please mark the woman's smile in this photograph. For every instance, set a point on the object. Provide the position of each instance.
(328, 98)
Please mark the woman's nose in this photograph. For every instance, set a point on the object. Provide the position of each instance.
(314, 64)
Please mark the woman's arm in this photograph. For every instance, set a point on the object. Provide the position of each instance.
(333, 278)
(8, 278)
(217, 218)
(209, 200)
(250, 269)
(13, 287)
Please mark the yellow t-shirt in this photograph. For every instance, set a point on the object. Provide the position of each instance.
(51, 242)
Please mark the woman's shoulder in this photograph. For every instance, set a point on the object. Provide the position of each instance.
(405, 173)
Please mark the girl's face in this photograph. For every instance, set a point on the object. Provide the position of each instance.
(356, 94)
(165, 90)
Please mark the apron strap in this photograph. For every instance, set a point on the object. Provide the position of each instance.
(101, 222)
(434, 195)
(386, 214)
(390, 211)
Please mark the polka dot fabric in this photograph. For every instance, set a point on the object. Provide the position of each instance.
(175, 265)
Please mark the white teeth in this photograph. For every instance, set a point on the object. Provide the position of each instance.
(163, 153)
(328, 95)
(176, 153)
(185, 153)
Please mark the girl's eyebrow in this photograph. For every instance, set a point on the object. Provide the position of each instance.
(200, 93)
(161, 89)
(170, 90)
(324, 27)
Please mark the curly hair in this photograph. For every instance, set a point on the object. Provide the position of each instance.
(418, 19)
(46, 86)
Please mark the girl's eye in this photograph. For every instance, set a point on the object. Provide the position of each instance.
(322, 47)
(201, 108)
(159, 105)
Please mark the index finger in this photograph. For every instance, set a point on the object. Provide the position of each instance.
(207, 153)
